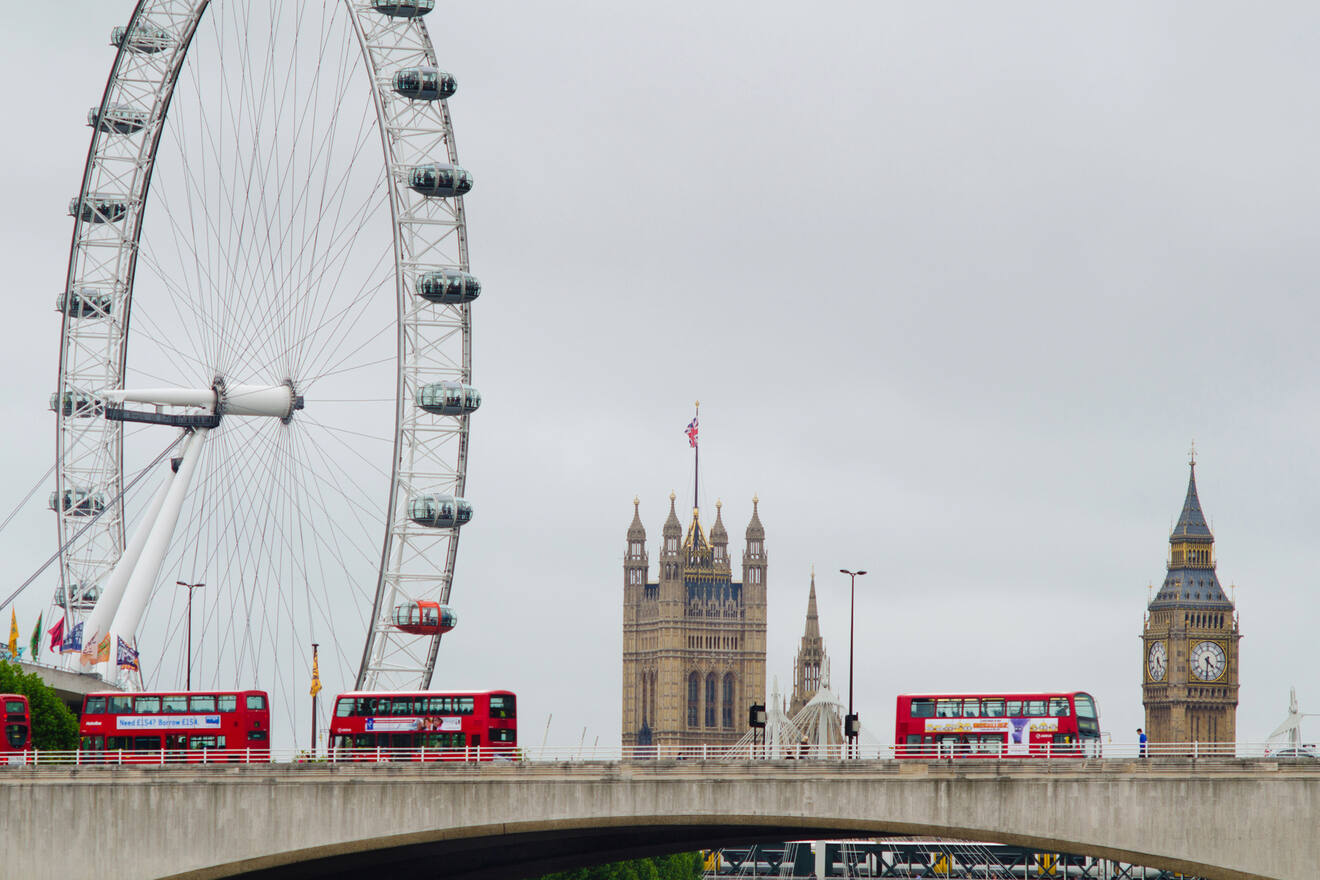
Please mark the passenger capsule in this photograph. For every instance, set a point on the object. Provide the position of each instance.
(76, 404)
(85, 303)
(440, 180)
(81, 596)
(448, 398)
(90, 209)
(439, 511)
(424, 618)
(118, 119)
(403, 8)
(448, 286)
(424, 84)
(146, 39)
(77, 502)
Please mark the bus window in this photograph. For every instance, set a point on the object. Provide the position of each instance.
(1085, 706)
(501, 706)
(923, 709)
(914, 739)
(176, 742)
(95, 706)
(16, 735)
(343, 709)
(365, 741)
(256, 701)
(144, 743)
(1059, 707)
(226, 703)
(15, 707)
(1015, 709)
(146, 705)
(115, 743)
(466, 705)
(948, 708)
(119, 705)
(174, 703)
(1035, 708)
(971, 708)
(500, 735)
(202, 742)
(204, 703)
(93, 743)
(992, 708)
(366, 706)
(345, 741)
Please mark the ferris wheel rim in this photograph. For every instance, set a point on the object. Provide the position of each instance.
(87, 210)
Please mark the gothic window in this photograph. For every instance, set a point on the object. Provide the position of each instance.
(726, 707)
(694, 684)
(710, 700)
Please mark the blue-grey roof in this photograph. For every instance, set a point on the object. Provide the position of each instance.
(1191, 587)
(1191, 524)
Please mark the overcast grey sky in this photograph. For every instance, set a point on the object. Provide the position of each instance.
(956, 285)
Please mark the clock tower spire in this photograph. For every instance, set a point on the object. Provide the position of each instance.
(1190, 639)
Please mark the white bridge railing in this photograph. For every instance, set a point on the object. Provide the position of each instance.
(870, 754)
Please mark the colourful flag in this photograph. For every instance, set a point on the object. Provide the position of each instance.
(127, 658)
(13, 633)
(316, 676)
(72, 643)
(692, 432)
(103, 650)
(56, 634)
(35, 644)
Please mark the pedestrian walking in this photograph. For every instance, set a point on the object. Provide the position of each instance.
(1141, 742)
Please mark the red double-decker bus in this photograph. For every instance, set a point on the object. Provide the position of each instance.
(1063, 724)
(458, 725)
(18, 727)
(190, 726)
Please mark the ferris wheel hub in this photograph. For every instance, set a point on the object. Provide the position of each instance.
(222, 399)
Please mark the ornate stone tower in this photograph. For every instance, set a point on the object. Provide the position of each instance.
(810, 664)
(1190, 640)
(694, 641)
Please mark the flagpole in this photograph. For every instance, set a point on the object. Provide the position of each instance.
(696, 467)
(315, 645)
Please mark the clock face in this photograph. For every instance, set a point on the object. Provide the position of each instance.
(1208, 661)
(1157, 661)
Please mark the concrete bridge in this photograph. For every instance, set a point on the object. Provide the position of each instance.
(1220, 819)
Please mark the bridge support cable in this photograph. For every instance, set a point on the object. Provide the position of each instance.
(91, 520)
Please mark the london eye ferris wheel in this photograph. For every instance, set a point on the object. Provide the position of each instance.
(269, 268)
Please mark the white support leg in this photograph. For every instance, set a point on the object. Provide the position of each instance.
(138, 590)
(104, 612)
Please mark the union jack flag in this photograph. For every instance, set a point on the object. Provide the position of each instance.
(692, 432)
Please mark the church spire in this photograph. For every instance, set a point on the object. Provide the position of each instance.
(1191, 580)
(1191, 523)
(813, 619)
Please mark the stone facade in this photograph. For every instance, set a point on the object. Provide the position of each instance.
(694, 640)
(1190, 641)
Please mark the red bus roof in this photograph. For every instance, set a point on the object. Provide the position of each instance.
(422, 693)
(950, 694)
(177, 693)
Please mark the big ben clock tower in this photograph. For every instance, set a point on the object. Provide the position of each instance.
(1190, 642)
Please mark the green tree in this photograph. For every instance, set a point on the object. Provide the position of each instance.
(53, 725)
(679, 866)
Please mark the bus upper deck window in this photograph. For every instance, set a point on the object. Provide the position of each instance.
(202, 703)
(923, 709)
(1059, 707)
(948, 708)
(174, 703)
(971, 708)
(15, 707)
(1085, 706)
(256, 701)
(146, 705)
(992, 708)
(1015, 709)
(344, 708)
(1035, 708)
(226, 702)
(95, 706)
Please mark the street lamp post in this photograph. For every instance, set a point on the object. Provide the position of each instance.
(850, 723)
(188, 673)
